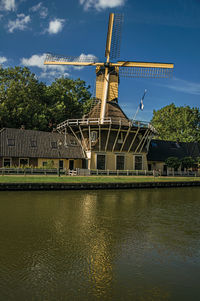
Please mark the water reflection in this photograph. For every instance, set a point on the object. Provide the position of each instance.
(100, 245)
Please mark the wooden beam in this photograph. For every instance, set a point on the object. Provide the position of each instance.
(116, 138)
(90, 137)
(141, 141)
(125, 138)
(144, 142)
(107, 139)
(144, 64)
(109, 36)
(77, 139)
(99, 137)
(133, 139)
(83, 138)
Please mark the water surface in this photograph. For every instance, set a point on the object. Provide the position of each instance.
(100, 245)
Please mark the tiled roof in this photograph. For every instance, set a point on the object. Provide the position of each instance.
(112, 110)
(38, 144)
(160, 150)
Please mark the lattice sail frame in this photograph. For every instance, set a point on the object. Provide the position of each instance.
(145, 72)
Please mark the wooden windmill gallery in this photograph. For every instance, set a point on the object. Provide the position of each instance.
(109, 139)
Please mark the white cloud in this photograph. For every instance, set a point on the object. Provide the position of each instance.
(101, 4)
(84, 58)
(53, 71)
(55, 26)
(3, 59)
(184, 86)
(43, 11)
(19, 24)
(48, 71)
(7, 5)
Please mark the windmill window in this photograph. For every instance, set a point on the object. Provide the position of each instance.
(138, 162)
(11, 142)
(93, 136)
(121, 138)
(101, 162)
(23, 161)
(6, 162)
(33, 143)
(120, 162)
(54, 144)
(73, 142)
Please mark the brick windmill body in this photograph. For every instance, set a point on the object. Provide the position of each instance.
(109, 139)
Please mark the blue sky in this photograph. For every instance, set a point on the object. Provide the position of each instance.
(153, 30)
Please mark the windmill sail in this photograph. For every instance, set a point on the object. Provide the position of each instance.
(82, 59)
(116, 36)
(145, 72)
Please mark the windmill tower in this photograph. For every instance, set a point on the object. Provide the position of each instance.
(106, 134)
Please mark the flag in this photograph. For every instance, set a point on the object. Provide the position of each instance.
(141, 105)
(141, 101)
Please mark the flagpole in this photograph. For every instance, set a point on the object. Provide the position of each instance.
(136, 112)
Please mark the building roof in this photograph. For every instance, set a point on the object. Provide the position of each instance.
(113, 110)
(160, 150)
(38, 144)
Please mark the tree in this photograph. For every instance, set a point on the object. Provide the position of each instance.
(187, 162)
(173, 162)
(22, 99)
(67, 99)
(26, 101)
(177, 123)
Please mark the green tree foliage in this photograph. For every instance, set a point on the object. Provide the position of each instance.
(26, 101)
(22, 99)
(187, 162)
(67, 99)
(173, 162)
(177, 123)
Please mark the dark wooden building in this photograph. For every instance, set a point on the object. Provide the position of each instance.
(20, 147)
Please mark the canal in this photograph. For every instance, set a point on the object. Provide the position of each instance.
(100, 245)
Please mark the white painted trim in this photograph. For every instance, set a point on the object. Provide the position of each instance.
(101, 153)
(23, 159)
(138, 155)
(7, 158)
(121, 155)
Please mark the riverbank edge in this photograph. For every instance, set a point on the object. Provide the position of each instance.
(93, 186)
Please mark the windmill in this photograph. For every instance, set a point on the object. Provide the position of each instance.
(109, 139)
(107, 73)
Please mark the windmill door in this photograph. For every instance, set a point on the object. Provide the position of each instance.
(71, 164)
(61, 164)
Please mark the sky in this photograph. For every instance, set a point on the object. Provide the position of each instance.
(153, 31)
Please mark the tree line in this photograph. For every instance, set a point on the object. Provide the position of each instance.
(24, 100)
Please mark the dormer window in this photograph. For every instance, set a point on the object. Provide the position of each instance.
(11, 142)
(54, 144)
(93, 136)
(33, 143)
(73, 142)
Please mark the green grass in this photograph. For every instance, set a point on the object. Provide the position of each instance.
(91, 179)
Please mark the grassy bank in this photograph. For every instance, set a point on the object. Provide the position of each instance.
(91, 179)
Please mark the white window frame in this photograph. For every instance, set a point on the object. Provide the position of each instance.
(6, 158)
(23, 159)
(93, 139)
(104, 154)
(120, 155)
(142, 162)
